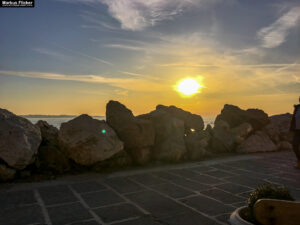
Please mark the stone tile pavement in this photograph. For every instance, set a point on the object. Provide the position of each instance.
(198, 193)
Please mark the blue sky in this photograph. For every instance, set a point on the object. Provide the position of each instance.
(72, 56)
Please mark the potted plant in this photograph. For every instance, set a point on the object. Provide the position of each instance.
(258, 199)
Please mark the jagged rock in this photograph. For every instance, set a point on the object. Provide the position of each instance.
(88, 141)
(6, 173)
(196, 144)
(169, 136)
(50, 155)
(137, 134)
(241, 132)
(19, 140)
(279, 128)
(285, 146)
(222, 140)
(235, 116)
(258, 142)
(191, 121)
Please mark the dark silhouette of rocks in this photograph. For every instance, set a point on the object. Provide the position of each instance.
(235, 116)
(88, 141)
(19, 140)
(137, 134)
(167, 134)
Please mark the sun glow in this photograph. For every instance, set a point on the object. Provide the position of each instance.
(188, 86)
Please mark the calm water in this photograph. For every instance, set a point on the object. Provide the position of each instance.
(57, 121)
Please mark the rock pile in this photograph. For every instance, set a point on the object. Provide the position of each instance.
(167, 134)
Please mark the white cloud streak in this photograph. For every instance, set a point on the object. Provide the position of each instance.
(276, 34)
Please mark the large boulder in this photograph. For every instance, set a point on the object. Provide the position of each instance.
(222, 138)
(88, 141)
(6, 173)
(241, 132)
(235, 116)
(258, 142)
(196, 144)
(279, 128)
(50, 155)
(19, 140)
(137, 134)
(191, 121)
(169, 136)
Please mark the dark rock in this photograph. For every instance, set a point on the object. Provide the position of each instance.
(279, 128)
(50, 155)
(235, 116)
(137, 134)
(6, 173)
(19, 140)
(196, 144)
(258, 142)
(88, 141)
(191, 121)
(222, 140)
(169, 136)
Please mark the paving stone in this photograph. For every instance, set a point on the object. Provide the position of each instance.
(224, 218)
(16, 199)
(202, 169)
(240, 204)
(204, 179)
(222, 196)
(57, 195)
(219, 174)
(233, 188)
(141, 221)
(84, 187)
(192, 185)
(186, 173)
(117, 212)
(86, 223)
(189, 218)
(208, 206)
(147, 179)
(165, 175)
(68, 213)
(21, 215)
(245, 194)
(123, 185)
(246, 181)
(101, 198)
(224, 167)
(158, 205)
(172, 190)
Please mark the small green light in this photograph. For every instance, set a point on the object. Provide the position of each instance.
(103, 131)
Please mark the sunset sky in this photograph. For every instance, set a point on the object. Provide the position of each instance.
(73, 56)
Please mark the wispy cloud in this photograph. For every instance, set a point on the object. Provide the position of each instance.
(275, 34)
(133, 84)
(51, 53)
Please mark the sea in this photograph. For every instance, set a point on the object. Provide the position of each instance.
(57, 121)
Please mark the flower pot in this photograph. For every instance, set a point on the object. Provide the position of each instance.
(236, 219)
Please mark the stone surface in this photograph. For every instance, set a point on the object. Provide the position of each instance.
(191, 121)
(50, 155)
(169, 136)
(241, 132)
(88, 141)
(222, 139)
(137, 134)
(136, 198)
(235, 116)
(279, 128)
(258, 142)
(19, 140)
(6, 173)
(196, 144)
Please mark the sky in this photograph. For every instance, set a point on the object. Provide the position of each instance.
(73, 56)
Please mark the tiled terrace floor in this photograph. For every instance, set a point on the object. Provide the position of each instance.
(203, 193)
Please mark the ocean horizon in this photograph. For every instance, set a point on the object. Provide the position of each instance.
(57, 120)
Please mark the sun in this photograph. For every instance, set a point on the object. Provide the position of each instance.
(188, 86)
